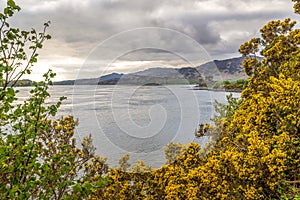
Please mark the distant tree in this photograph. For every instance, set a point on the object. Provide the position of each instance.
(202, 82)
(227, 82)
(209, 78)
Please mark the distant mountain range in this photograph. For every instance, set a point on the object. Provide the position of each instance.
(228, 69)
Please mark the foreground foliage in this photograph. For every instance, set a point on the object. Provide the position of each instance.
(39, 158)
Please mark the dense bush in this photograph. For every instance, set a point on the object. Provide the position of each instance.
(39, 158)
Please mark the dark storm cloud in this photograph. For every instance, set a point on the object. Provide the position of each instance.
(77, 26)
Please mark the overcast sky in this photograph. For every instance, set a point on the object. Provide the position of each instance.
(94, 37)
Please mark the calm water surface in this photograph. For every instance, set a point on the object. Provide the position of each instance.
(139, 120)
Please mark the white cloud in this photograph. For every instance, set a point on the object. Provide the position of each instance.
(220, 26)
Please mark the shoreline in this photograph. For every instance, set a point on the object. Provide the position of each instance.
(237, 90)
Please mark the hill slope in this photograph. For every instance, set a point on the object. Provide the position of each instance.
(228, 69)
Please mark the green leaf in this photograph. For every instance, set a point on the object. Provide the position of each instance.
(53, 110)
(33, 60)
(48, 37)
(13, 191)
(10, 91)
(77, 188)
(6, 10)
(11, 3)
(10, 36)
(52, 75)
(39, 45)
(87, 186)
(62, 98)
